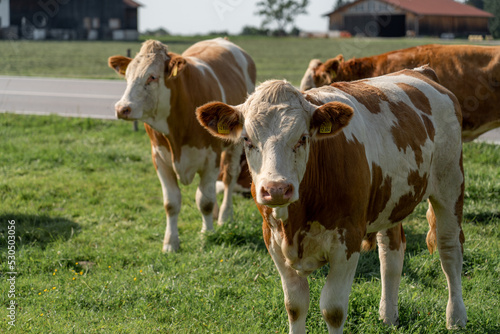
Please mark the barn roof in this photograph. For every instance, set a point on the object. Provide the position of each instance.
(132, 3)
(430, 8)
(439, 7)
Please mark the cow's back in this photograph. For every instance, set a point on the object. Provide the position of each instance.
(471, 72)
(234, 68)
(473, 75)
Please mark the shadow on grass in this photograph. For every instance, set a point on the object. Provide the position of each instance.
(250, 234)
(419, 266)
(482, 218)
(36, 230)
(237, 234)
(369, 264)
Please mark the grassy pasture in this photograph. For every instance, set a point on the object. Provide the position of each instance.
(276, 58)
(90, 222)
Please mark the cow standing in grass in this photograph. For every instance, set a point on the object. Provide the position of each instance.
(334, 164)
(163, 90)
(470, 72)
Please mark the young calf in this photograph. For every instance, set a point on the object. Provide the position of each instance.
(339, 162)
(163, 91)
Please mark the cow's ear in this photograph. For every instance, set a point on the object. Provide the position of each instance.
(174, 66)
(221, 120)
(332, 66)
(119, 64)
(329, 119)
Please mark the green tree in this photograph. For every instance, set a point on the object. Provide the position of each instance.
(280, 12)
(493, 7)
(475, 3)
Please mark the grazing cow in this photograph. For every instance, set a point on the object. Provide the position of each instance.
(333, 164)
(163, 90)
(470, 72)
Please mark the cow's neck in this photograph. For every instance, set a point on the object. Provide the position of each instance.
(184, 129)
(355, 69)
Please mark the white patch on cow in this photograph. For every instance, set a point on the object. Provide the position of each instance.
(317, 244)
(241, 60)
(158, 120)
(171, 196)
(166, 156)
(192, 161)
(281, 213)
(391, 266)
(203, 67)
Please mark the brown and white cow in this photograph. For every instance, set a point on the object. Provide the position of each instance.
(470, 72)
(336, 163)
(163, 90)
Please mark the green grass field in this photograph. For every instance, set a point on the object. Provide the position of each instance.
(89, 225)
(276, 58)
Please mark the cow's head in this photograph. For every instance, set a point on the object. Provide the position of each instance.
(276, 124)
(320, 74)
(146, 95)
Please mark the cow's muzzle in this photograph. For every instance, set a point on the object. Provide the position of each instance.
(123, 112)
(275, 194)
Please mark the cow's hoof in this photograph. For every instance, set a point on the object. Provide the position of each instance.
(171, 248)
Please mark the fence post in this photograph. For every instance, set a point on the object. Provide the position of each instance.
(136, 126)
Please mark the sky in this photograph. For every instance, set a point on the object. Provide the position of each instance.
(188, 17)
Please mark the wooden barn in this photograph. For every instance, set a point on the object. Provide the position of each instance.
(75, 19)
(395, 18)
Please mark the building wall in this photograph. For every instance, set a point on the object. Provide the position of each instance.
(365, 23)
(460, 26)
(369, 18)
(336, 21)
(75, 19)
(4, 13)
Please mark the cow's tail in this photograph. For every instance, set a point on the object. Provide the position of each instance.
(369, 242)
(431, 235)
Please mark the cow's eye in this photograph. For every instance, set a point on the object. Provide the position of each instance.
(301, 142)
(248, 143)
(152, 78)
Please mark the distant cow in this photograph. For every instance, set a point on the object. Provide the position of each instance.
(336, 163)
(163, 90)
(470, 72)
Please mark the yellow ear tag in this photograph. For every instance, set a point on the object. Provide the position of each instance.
(222, 128)
(333, 74)
(174, 72)
(326, 127)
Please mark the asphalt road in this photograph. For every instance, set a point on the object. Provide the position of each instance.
(80, 98)
(65, 97)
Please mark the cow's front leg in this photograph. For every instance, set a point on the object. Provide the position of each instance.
(391, 250)
(171, 197)
(230, 167)
(296, 291)
(206, 197)
(335, 294)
